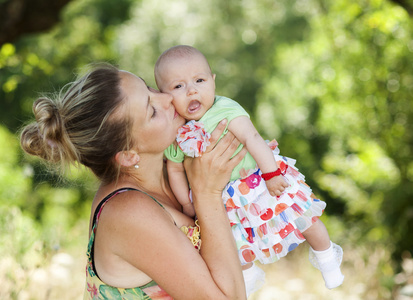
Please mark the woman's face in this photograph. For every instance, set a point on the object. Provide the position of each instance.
(155, 120)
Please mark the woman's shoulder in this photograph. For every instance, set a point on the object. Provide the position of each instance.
(117, 195)
(133, 219)
(134, 202)
(129, 225)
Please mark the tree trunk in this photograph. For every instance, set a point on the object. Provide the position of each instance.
(18, 17)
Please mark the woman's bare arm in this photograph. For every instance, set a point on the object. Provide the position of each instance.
(143, 235)
(208, 176)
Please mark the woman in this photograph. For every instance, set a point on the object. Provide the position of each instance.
(141, 244)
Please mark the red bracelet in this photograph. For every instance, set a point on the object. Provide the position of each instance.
(268, 176)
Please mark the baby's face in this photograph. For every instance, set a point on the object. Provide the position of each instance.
(190, 82)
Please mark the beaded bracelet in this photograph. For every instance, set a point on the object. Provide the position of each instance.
(268, 176)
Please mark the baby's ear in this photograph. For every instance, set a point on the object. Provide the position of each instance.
(127, 158)
(214, 75)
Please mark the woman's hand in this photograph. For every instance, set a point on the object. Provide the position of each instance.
(211, 172)
(208, 176)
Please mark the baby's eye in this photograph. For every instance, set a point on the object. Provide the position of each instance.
(200, 80)
(178, 86)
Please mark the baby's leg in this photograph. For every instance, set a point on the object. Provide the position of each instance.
(317, 236)
(327, 254)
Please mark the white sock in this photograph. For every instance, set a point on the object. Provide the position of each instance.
(329, 265)
(324, 255)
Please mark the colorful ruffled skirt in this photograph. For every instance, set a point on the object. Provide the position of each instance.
(266, 228)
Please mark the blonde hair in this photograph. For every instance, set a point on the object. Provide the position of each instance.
(79, 126)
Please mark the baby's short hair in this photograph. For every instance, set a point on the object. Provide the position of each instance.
(179, 51)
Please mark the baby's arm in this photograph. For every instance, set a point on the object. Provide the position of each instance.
(179, 185)
(246, 133)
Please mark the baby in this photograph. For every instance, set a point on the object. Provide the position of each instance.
(270, 208)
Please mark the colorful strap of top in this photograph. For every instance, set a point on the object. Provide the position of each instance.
(97, 289)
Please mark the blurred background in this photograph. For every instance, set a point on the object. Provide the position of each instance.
(332, 81)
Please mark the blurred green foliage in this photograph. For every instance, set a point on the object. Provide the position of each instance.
(330, 80)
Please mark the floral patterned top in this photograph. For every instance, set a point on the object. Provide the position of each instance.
(98, 290)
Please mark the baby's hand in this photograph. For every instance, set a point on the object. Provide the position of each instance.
(276, 185)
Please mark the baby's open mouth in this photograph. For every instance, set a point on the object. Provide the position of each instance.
(194, 106)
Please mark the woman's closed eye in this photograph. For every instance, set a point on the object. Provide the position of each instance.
(154, 112)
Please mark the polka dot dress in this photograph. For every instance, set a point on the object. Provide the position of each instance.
(266, 228)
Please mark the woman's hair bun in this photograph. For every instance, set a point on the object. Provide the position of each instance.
(47, 137)
(48, 119)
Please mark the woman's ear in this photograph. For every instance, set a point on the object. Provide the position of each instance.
(127, 158)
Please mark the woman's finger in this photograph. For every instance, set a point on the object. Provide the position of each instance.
(216, 134)
(238, 157)
(233, 146)
(227, 142)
